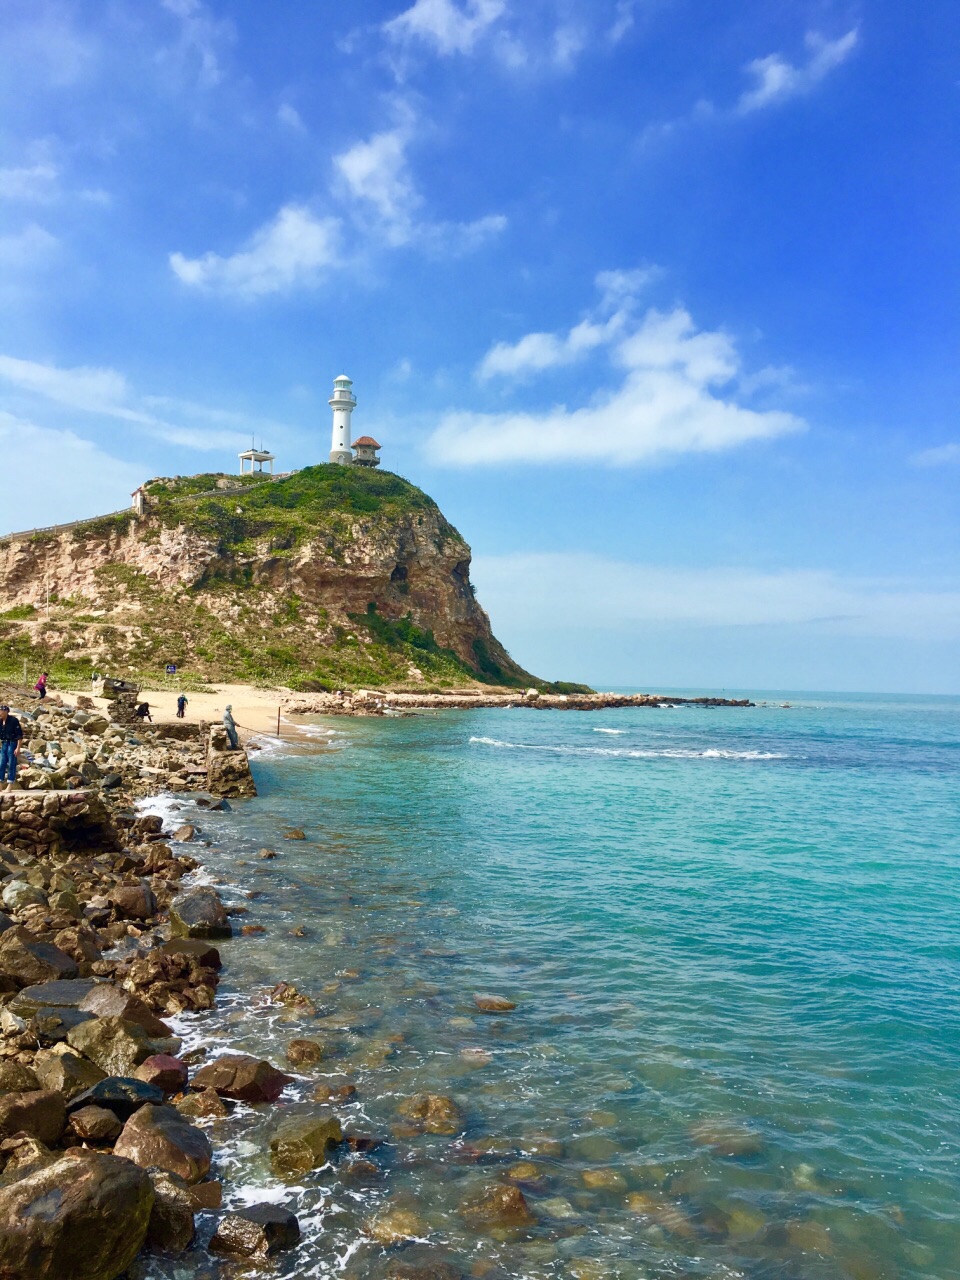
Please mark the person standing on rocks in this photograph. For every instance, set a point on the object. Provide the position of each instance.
(11, 735)
(40, 688)
(231, 727)
(181, 706)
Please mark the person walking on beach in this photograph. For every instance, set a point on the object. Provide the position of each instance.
(181, 706)
(231, 727)
(40, 688)
(11, 735)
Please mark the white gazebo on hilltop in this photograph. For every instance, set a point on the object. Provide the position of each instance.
(252, 460)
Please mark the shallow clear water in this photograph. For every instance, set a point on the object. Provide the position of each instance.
(725, 930)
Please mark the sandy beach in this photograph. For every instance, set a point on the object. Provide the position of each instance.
(254, 710)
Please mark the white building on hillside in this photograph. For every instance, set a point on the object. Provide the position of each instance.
(342, 402)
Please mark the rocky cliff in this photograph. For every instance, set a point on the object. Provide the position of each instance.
(330, 576)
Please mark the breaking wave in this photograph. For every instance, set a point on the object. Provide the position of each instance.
(634, 753)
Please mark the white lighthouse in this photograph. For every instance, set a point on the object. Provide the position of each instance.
(342, 402)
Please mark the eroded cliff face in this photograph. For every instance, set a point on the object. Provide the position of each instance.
(141, 592)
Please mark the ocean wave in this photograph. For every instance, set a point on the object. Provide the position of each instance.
(635, 753)
(609, 731)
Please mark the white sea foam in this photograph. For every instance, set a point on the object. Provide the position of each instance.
(634, 753)
(610, 731)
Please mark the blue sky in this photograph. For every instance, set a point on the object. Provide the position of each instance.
(656, 298)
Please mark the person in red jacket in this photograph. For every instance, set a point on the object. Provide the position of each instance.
(41, 686)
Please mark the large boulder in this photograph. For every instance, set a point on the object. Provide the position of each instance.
(123, 1095)
(171, 1226)
(18, 894)
(95, 1124)
(38, 1112)
(65, 1072)
(199, 949)
(199, 913)
(16, 1078)
(51, 995)
(238, 1075)
(228, 771)
(164, 1071)
(256, 1232)
(29, 962)
(115, 1045)
(300, 1143)
(134, 901)
(108, 1001)
(84, 1217)
(159, 1137)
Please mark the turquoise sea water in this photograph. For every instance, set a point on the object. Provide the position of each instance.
(733, 941)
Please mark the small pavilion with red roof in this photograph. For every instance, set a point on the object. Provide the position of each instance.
(365, 452)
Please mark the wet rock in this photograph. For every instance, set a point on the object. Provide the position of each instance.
(30, 962)
(728, 1138)
(431, 1113)
(301, 1142)
(524, 1171)
(123, 1095)
(242, 1077)
(115, 1045)
(95, 1124)
(50, 995)
(67, 1073)
(665, 1213)
(184, 834)
(295, 833)
(134, 901)
(159, 1137)
(203, 1105)
(164, 1071)
(252, 930)
(41, 1113)
(395, 1224)
(199, 949)
(558, 1208)
(359, 1170)
(206, 1195)
(83, 1217)
(325, 1092)
(494, 1004)
(604, 1179)
(304, 1053)
(256, 1232)
(199, 913)
(16, 1078)
(171, 1228)
(267, 854)
(108, 1001)
(498, 1206)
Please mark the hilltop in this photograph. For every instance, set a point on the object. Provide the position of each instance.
(328, 577)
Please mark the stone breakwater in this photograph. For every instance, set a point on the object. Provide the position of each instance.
(100, 941)
(365, 702)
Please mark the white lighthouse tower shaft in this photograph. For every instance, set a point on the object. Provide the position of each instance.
(342, 402)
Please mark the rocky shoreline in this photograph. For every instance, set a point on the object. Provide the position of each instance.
(366, 702)
(100, 942)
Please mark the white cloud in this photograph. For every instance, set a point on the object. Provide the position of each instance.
(289, 252)
(290, 117)
(623, 21)
(776, 79)
(574, 590)
(536, 352)
(941, 455)
(36, 184)
(106, 393)
(677, 396)
(444, 25)
(202, 38)
(31, 247)
(76, 479)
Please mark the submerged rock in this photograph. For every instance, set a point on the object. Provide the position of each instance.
(237, 1075)
(300, 1143)
(498, 1206)
(159, 1137)
(432, 1113)
(395, 1224)
(84, 1217)
(304, 1053)
(729, 1138)
(256, 1232)
(494, 1004)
